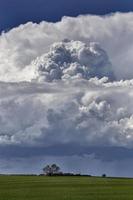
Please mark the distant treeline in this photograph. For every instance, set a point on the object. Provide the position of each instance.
(64, 174)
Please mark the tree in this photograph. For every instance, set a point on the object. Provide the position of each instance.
(104, 175)
(51, 169)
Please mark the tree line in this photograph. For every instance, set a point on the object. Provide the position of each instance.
(54, 170)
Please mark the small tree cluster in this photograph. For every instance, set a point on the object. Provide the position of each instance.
(51, 169)
(104, 175)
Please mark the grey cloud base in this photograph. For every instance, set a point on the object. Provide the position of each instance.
(88, 112)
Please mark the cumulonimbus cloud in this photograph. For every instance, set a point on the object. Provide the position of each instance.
(85, 110)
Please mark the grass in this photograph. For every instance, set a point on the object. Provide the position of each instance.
(64, 188)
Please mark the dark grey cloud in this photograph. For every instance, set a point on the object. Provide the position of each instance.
(84, 164)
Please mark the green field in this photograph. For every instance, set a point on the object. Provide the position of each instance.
(64, 188)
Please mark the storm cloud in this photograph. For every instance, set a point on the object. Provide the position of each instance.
(58, 92)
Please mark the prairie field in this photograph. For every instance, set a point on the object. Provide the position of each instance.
(65, 188)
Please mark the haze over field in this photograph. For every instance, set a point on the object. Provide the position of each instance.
(66, 95)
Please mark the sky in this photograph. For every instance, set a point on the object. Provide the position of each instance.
(66, 85)
(14, 12)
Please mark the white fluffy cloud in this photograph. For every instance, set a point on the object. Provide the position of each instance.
(21, 45)
(72, 59)
(75, 108)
